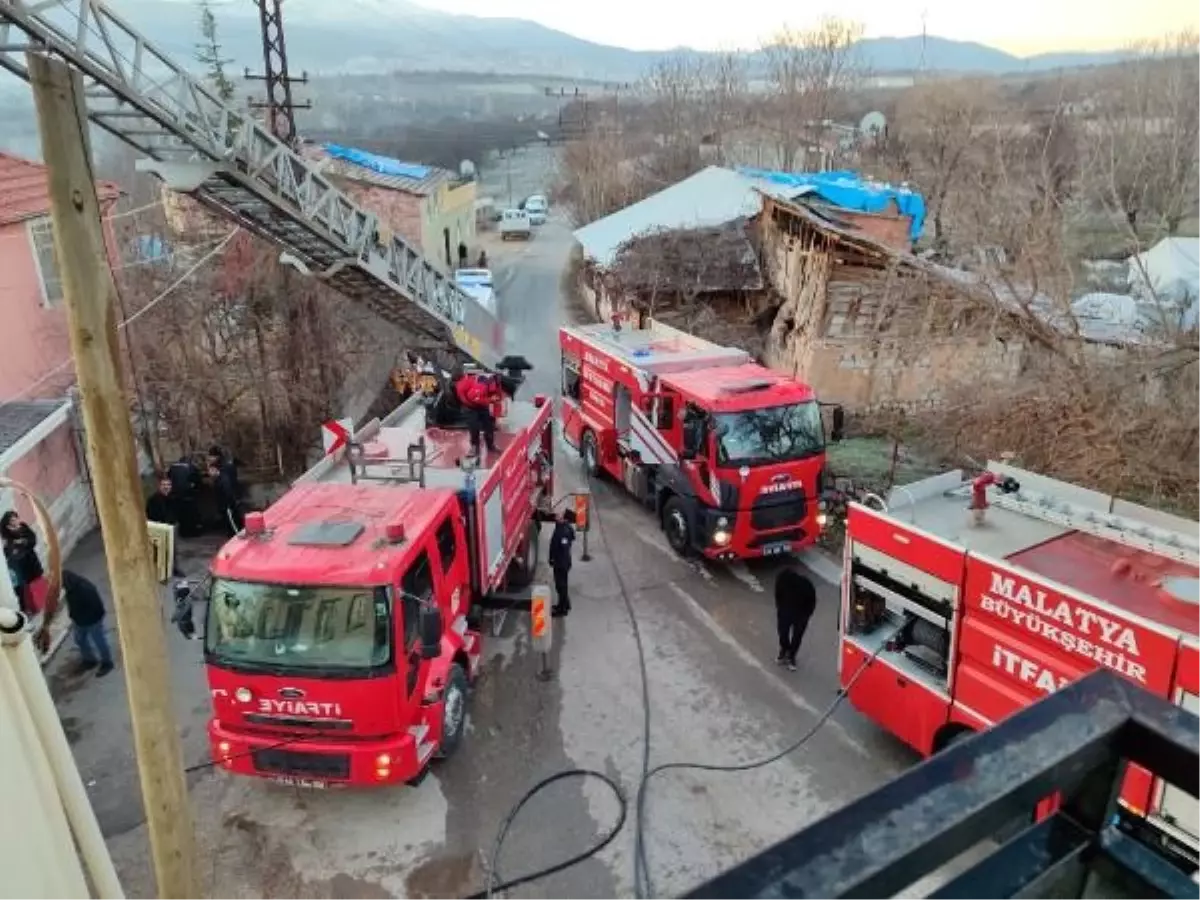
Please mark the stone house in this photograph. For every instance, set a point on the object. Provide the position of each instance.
(869, 325)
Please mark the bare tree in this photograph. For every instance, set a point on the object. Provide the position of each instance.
(934, 135)
(810, 73)
(1144, 139)
(724, 100)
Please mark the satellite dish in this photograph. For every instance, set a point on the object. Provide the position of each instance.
(466, 169)
(873, 124)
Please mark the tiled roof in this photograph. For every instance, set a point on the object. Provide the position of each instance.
(18, 419)
(24, 189)
(338, 168)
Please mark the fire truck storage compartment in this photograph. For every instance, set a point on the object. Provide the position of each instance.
(933, 556)
(912, 613)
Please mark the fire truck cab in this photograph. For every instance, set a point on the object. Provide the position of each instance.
(343, 623)
(978, 597)
(726, 452)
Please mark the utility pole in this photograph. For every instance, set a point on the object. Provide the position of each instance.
(279, 105)
(90, 296)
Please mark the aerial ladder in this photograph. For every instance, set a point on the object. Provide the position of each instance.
(236, 167)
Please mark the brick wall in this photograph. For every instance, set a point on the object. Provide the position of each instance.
(891, 230)
(398, 211)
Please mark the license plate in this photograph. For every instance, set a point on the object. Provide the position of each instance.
(776, 548)
(292, 781)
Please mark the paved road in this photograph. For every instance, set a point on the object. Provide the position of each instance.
(708, 635)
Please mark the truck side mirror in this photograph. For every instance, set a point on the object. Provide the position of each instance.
(693, 434)
(837, 424)
(429, 626)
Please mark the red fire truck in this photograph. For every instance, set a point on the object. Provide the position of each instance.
(981, 596)
(343, 624)
(727, 453)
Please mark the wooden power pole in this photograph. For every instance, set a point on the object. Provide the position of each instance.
(91, 302)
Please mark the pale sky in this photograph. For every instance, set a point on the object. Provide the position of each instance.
(1022, 27)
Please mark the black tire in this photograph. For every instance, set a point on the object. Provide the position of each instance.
(589, 452)
(522, 570)
(454, 703)
(675, 526)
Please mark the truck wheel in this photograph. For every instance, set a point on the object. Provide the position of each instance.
(454, 712)
(589, 450)
(675, 525)
(522, 570)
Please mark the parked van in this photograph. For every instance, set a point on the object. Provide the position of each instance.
(514, 223)
(537, 208)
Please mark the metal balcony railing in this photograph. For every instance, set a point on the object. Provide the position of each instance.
(1075, 742)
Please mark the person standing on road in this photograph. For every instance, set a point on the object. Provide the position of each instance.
(795, 601)
(561, 541)
(86, 611)
(462, 255)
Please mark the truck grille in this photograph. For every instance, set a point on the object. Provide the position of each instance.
(778, 511)
(290, 762)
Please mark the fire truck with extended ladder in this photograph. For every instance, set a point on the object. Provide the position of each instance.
(344, 622)
(728, 453)
(343, 618)
(977, 597)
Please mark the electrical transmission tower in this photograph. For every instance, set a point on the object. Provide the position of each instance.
(279, 105)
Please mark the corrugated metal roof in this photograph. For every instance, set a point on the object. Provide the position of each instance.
(341, 169)
(18, 419)
(24, 189)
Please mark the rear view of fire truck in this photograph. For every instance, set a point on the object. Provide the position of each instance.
(974, 598)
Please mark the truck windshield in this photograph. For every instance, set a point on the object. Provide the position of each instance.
(268, 626)
(758, 437)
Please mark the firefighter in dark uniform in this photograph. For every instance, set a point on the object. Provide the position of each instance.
(561, 541)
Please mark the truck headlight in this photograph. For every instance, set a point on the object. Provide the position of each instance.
(822, 505)
(720, 537)
(822, 519)
(722, 522)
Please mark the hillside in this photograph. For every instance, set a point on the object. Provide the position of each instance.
(386, 35)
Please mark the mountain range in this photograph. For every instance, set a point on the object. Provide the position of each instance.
(360, 36)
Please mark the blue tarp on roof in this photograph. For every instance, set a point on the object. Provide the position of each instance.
(384, 165)
(850, 190)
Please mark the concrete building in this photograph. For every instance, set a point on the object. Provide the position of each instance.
(39, 427)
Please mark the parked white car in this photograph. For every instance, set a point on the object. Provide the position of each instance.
(538, 208)
(515, 223)
(477, 284)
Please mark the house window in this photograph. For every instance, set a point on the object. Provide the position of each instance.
(41, 236)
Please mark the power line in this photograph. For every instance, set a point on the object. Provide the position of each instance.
(20, 395)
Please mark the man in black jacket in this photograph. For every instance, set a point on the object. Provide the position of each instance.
(560, 561)
(795, 601)
(224, 480)
(86, 610)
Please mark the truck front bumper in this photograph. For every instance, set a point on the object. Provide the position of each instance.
(316, 761)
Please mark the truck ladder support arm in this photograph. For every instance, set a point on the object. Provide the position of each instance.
(236, 167)
(1075, 741)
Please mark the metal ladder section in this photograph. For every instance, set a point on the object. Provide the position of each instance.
(237, 168)
(410, 470)
(1166, 542)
